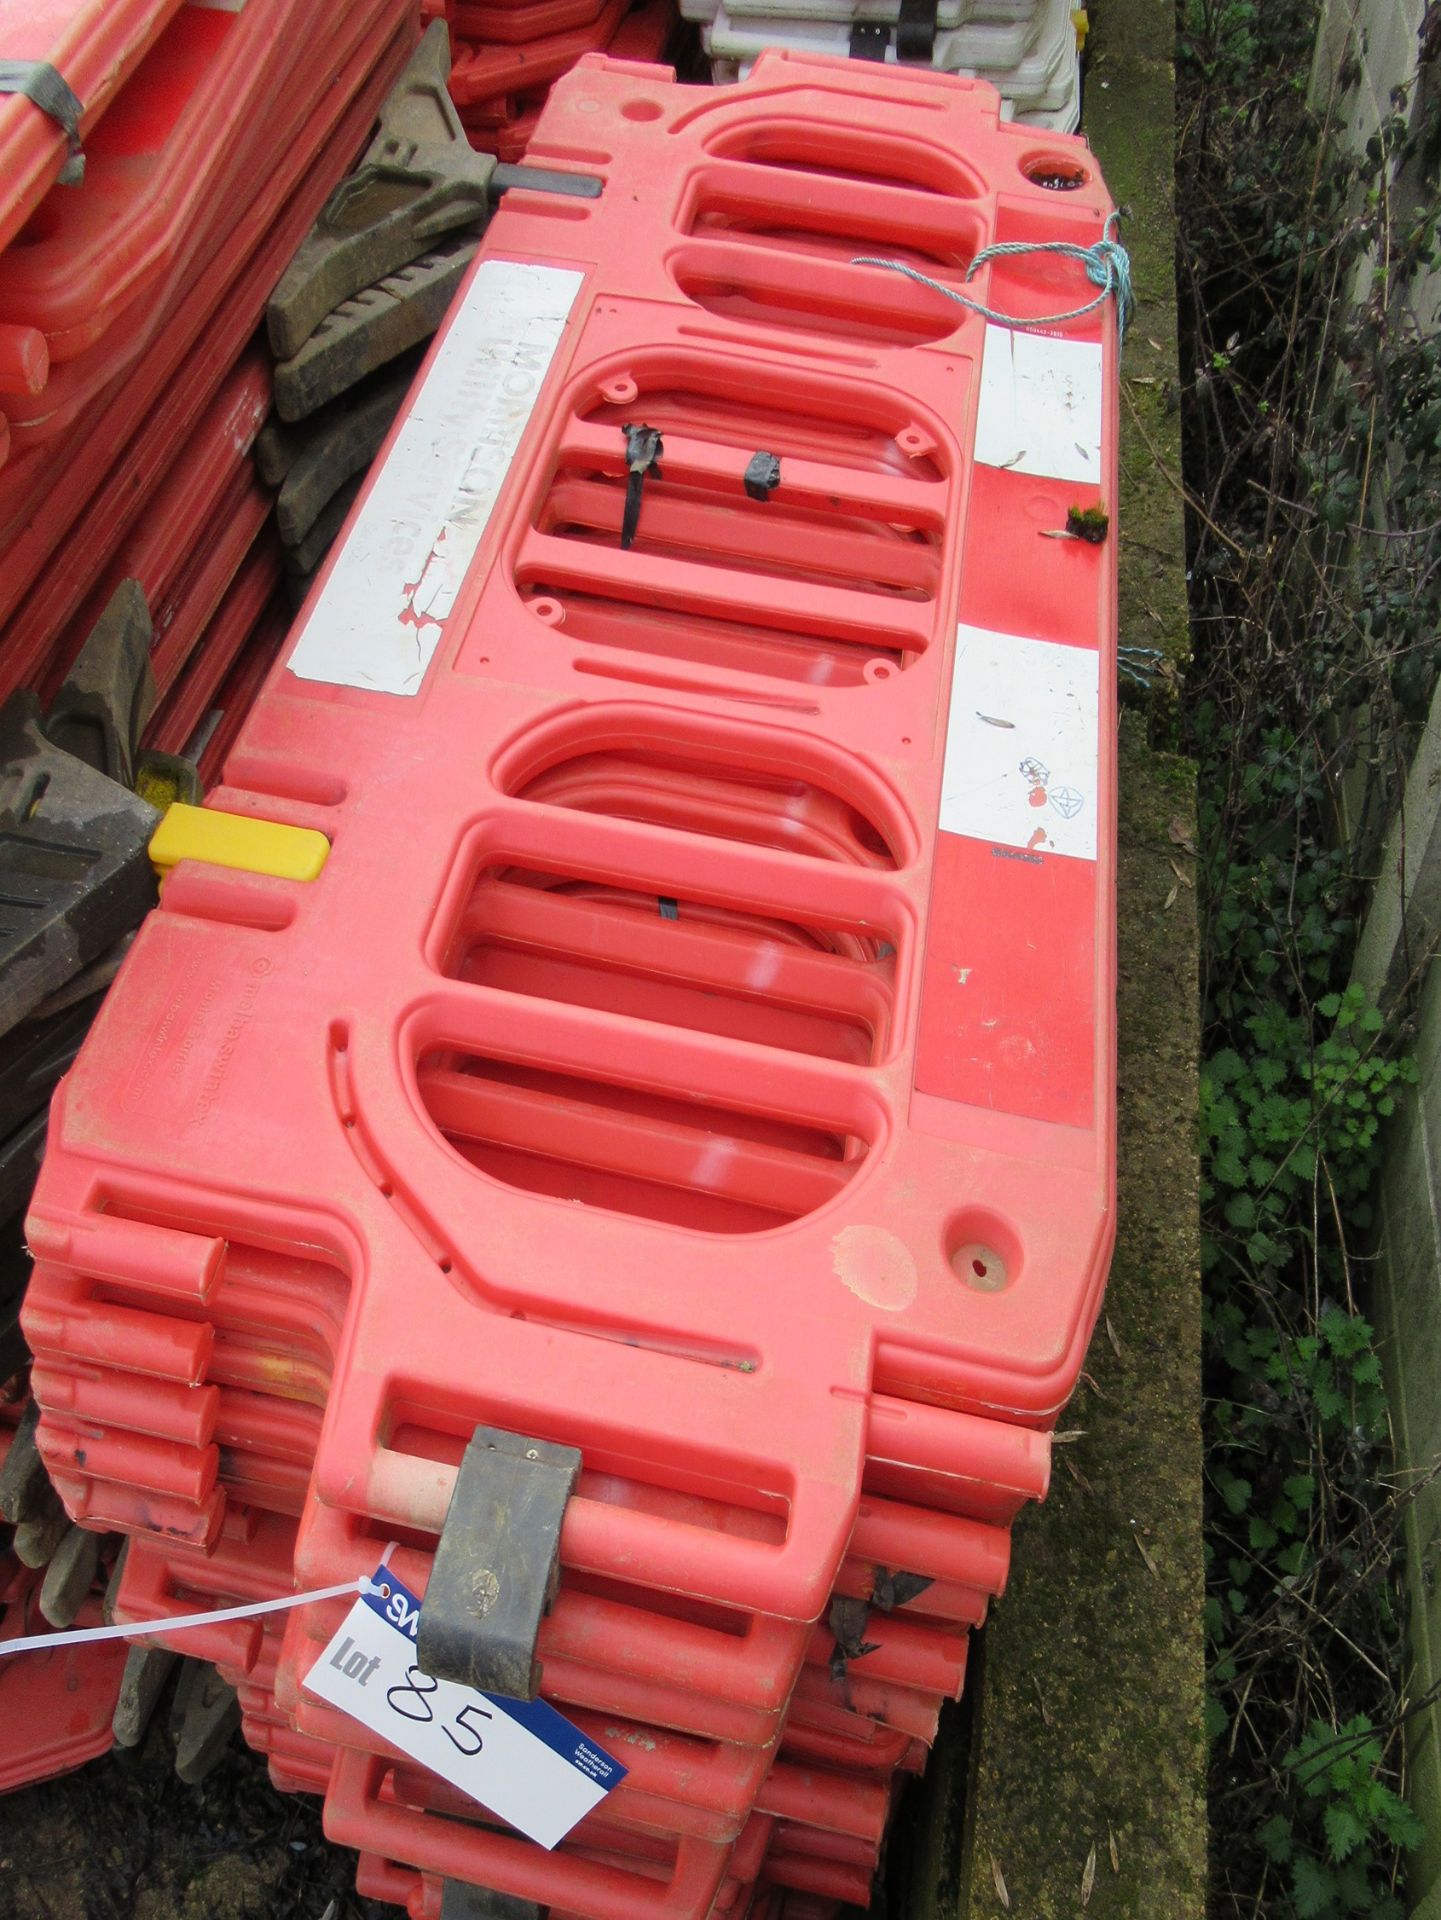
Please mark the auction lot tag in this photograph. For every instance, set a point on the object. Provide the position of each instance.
(520, 1758)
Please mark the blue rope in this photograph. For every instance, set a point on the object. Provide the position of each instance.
(1107, 265)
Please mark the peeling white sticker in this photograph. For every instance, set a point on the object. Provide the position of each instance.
(381, 614)
(1040, 405)
(1022, 744)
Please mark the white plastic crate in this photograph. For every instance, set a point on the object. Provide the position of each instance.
(1035, 65)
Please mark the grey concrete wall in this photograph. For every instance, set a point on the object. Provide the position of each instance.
(1377, 42)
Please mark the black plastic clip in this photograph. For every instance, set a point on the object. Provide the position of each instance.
(916, 32)
(762, 475)
(643, 450)
(497, 1564)
(869, 39)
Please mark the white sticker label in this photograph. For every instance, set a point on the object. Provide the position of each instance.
(381, 614)
(520, 1758)
(1040, 405)
(1022, 744)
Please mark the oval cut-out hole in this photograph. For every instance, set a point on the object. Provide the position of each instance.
(642, 109)
(1056, 172)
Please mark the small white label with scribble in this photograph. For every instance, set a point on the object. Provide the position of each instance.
(1031, 784)
(381, 614)
(1040, 405)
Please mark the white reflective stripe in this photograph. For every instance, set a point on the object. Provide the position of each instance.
(383, 610)
(1040, 405)
(84, 1636)
(1022, 743)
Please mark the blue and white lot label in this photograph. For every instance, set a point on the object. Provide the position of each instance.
(520, 1758)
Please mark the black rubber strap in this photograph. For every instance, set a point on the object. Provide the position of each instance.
(869, 40)
(51, 92)
(916, 31)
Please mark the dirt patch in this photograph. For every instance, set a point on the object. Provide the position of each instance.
(123, 1839)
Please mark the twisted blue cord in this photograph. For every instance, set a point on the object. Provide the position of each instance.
(1107, 265)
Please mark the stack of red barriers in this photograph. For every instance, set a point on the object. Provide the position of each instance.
(672, 1027)
(508, 53)
(55, 1706)
(159, 164)
(210, 136)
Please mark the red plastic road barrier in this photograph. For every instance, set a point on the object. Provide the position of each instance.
(236, 694)
(183, 156)
(228, 636)
(899, 1175)
(104, 468)
(481, 73)
(504, 21)
(167, 538)
(94, 45)
(697, 1045)
(506, 124)
(57, 1707)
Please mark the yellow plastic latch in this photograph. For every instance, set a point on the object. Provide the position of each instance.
(236, 840)
(1081, 21)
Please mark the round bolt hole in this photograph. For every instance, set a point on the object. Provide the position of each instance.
(620, 392)
(642, 109)
(550, 611)
(980, 1267)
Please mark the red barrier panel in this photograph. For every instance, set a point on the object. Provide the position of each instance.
(94, 46)
(696, 1048)
(104, 467)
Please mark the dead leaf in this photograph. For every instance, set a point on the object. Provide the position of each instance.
(1114, 1339)
(1075, 1472)
(1088, 1876)
(1000, 1880)
(1114, 1849)
(1070, 1434)
(1145, 1553)
(1170, 900)
(1090, 1382)
(1180, 835)
(1182, 875)
(1153, 343)
(1041, 1703)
